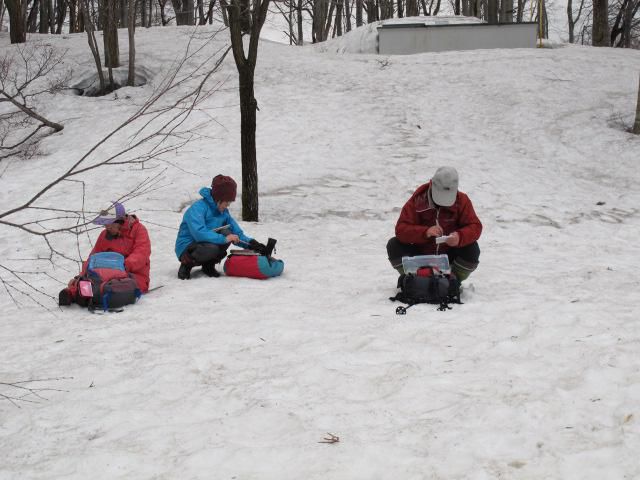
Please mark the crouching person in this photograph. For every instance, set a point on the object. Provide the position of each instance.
(438, 209)
(123, 234)
(207, 230)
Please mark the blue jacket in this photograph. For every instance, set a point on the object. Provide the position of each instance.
(199, 221)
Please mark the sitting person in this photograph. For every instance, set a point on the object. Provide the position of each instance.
(207, 230)
(123, 234)
(437, 209)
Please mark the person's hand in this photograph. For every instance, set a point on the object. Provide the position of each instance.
(453, 240)
(257, 246)
(435, 231)
(232, 238)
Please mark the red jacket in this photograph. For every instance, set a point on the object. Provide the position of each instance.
(132, 242)
(420, 213)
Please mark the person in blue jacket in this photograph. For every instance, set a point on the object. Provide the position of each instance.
(207, 230)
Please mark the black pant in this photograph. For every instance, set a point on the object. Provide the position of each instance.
(201, 253)
(468, 255)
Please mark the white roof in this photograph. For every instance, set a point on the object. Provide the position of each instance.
(433, 20)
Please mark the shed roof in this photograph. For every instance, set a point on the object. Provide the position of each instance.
(430, 21)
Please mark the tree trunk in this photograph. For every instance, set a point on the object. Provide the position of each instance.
(184, 10)
(212, 4)
(123, 16)
(492, 11)
(372, 11)
(44, 17)
(52, 16)
(131, 27)
(202, 20)
(456, 8)
(110, 35)
(400, 9)
(73, 17)
(248, 106)
(600, 28)
(91, 38)
(61, 15)
(338, 23)
(347, 16)
(300, 31)
(506, 11)
(32, 21)
(520, 12)
(359, 13)
(627, 24)
(636, 125)
(17, 20)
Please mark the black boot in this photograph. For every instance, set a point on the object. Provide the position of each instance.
(209, 269)
(184, 272)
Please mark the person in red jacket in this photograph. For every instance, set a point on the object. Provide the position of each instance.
(123, 234)
(438, 209)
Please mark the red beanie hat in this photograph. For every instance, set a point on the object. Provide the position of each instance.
(223, 188)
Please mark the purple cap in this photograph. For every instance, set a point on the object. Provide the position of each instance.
(109, 216)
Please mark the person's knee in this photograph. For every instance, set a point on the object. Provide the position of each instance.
(204, 252)
(466, 262)
(395, 254)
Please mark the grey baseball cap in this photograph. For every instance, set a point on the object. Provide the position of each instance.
(444, 186)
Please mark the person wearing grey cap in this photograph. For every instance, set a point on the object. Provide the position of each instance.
(438, 209)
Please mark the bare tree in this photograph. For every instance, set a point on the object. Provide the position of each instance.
(571, 20)
(154, 129)
(17, 20)
(110, 35)
(623, 24)
(25, 74)
(93, 44)
(185, 13)
(636, 125)
(492, 11)
(27, 391)
(600, 26)
(246, 64)
(131, 27)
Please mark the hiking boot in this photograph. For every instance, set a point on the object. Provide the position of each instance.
(209, 269)
(64, 298)
(184, 272)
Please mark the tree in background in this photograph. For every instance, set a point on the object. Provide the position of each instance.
(636, 125)
(17, 20)
(111, 46)
(184, 12)
(600, 25)
(256, 12)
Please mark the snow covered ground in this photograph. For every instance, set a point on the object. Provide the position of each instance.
(536, 376)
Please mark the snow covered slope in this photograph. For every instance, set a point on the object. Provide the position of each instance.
(534, 377)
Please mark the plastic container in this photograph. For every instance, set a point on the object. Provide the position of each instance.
(112, 260)
(412, 264)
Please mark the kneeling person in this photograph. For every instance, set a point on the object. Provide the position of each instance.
(438, 209)
(124, 234)
(207, 230)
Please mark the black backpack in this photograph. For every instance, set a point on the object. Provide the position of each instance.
(428, 285)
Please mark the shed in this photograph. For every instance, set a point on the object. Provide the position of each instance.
(404, 36)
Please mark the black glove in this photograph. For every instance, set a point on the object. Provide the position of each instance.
(257, 247)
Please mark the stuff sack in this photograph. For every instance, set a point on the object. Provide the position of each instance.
(252, 265)
(110, 285)
(427, 285)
